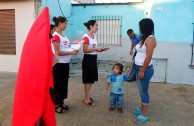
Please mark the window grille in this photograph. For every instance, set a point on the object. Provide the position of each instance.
(109, 30)
(7, 32)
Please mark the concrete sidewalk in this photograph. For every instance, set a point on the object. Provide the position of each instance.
(171, 105)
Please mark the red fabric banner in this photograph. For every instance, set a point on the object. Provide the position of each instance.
(32, 100)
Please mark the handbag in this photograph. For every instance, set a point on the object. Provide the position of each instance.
(132, 74)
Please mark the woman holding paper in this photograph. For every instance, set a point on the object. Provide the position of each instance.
(89, 63)
(61, 69)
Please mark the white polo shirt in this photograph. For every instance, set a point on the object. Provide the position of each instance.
(64, 46)
(92, 43)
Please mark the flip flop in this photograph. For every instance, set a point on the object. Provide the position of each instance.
(141, 119)
(91, 99)
(137, 111)
(92, 104)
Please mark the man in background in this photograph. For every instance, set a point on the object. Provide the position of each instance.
(135, 38)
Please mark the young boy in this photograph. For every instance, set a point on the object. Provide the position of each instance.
(116, 79)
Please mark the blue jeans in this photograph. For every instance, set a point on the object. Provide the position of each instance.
(116, 98)
(143, 85)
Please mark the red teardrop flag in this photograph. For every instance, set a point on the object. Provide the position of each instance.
(32, 100)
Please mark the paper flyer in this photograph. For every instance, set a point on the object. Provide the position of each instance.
(77, 44)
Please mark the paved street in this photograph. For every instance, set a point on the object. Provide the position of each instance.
(171, 105)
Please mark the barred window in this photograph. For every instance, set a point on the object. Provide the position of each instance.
(7, 32)
(109, 30)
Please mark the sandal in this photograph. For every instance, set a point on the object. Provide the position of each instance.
(92, 104)
(59, 109)
(141, 119)
(66, 107)
(91, 99)
(137, 111)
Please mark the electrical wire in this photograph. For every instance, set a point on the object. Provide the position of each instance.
(62, 11)
(60, 8)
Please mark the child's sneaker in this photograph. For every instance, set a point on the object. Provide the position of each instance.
(120, 110)
(111, 109)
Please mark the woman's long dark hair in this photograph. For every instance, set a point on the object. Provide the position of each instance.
(146, 27)
(51, 28)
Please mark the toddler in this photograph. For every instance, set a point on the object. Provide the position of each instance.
(116, 79)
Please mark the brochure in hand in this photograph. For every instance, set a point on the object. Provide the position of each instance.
(77, 44)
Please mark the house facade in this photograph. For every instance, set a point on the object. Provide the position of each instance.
(174, 31)
(17, 16)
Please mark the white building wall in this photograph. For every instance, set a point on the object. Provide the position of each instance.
(177, 56)
(24, 18)
(178, 60)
